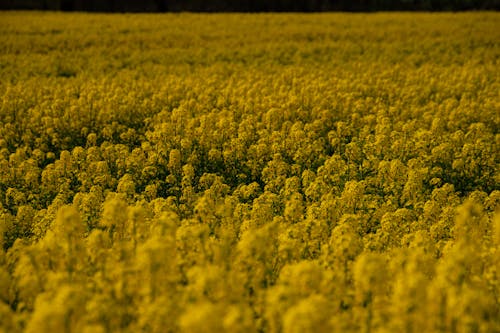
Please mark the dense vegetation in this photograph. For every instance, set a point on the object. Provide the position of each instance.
(249, 173)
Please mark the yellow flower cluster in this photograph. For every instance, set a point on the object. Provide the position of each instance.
(249, 173)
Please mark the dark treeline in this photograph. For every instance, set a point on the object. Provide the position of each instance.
(248, 5)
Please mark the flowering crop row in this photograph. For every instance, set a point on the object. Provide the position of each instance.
(249, 173)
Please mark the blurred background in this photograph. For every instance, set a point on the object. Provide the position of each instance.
(249, 5)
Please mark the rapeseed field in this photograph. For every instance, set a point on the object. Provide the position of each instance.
(249, 172)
